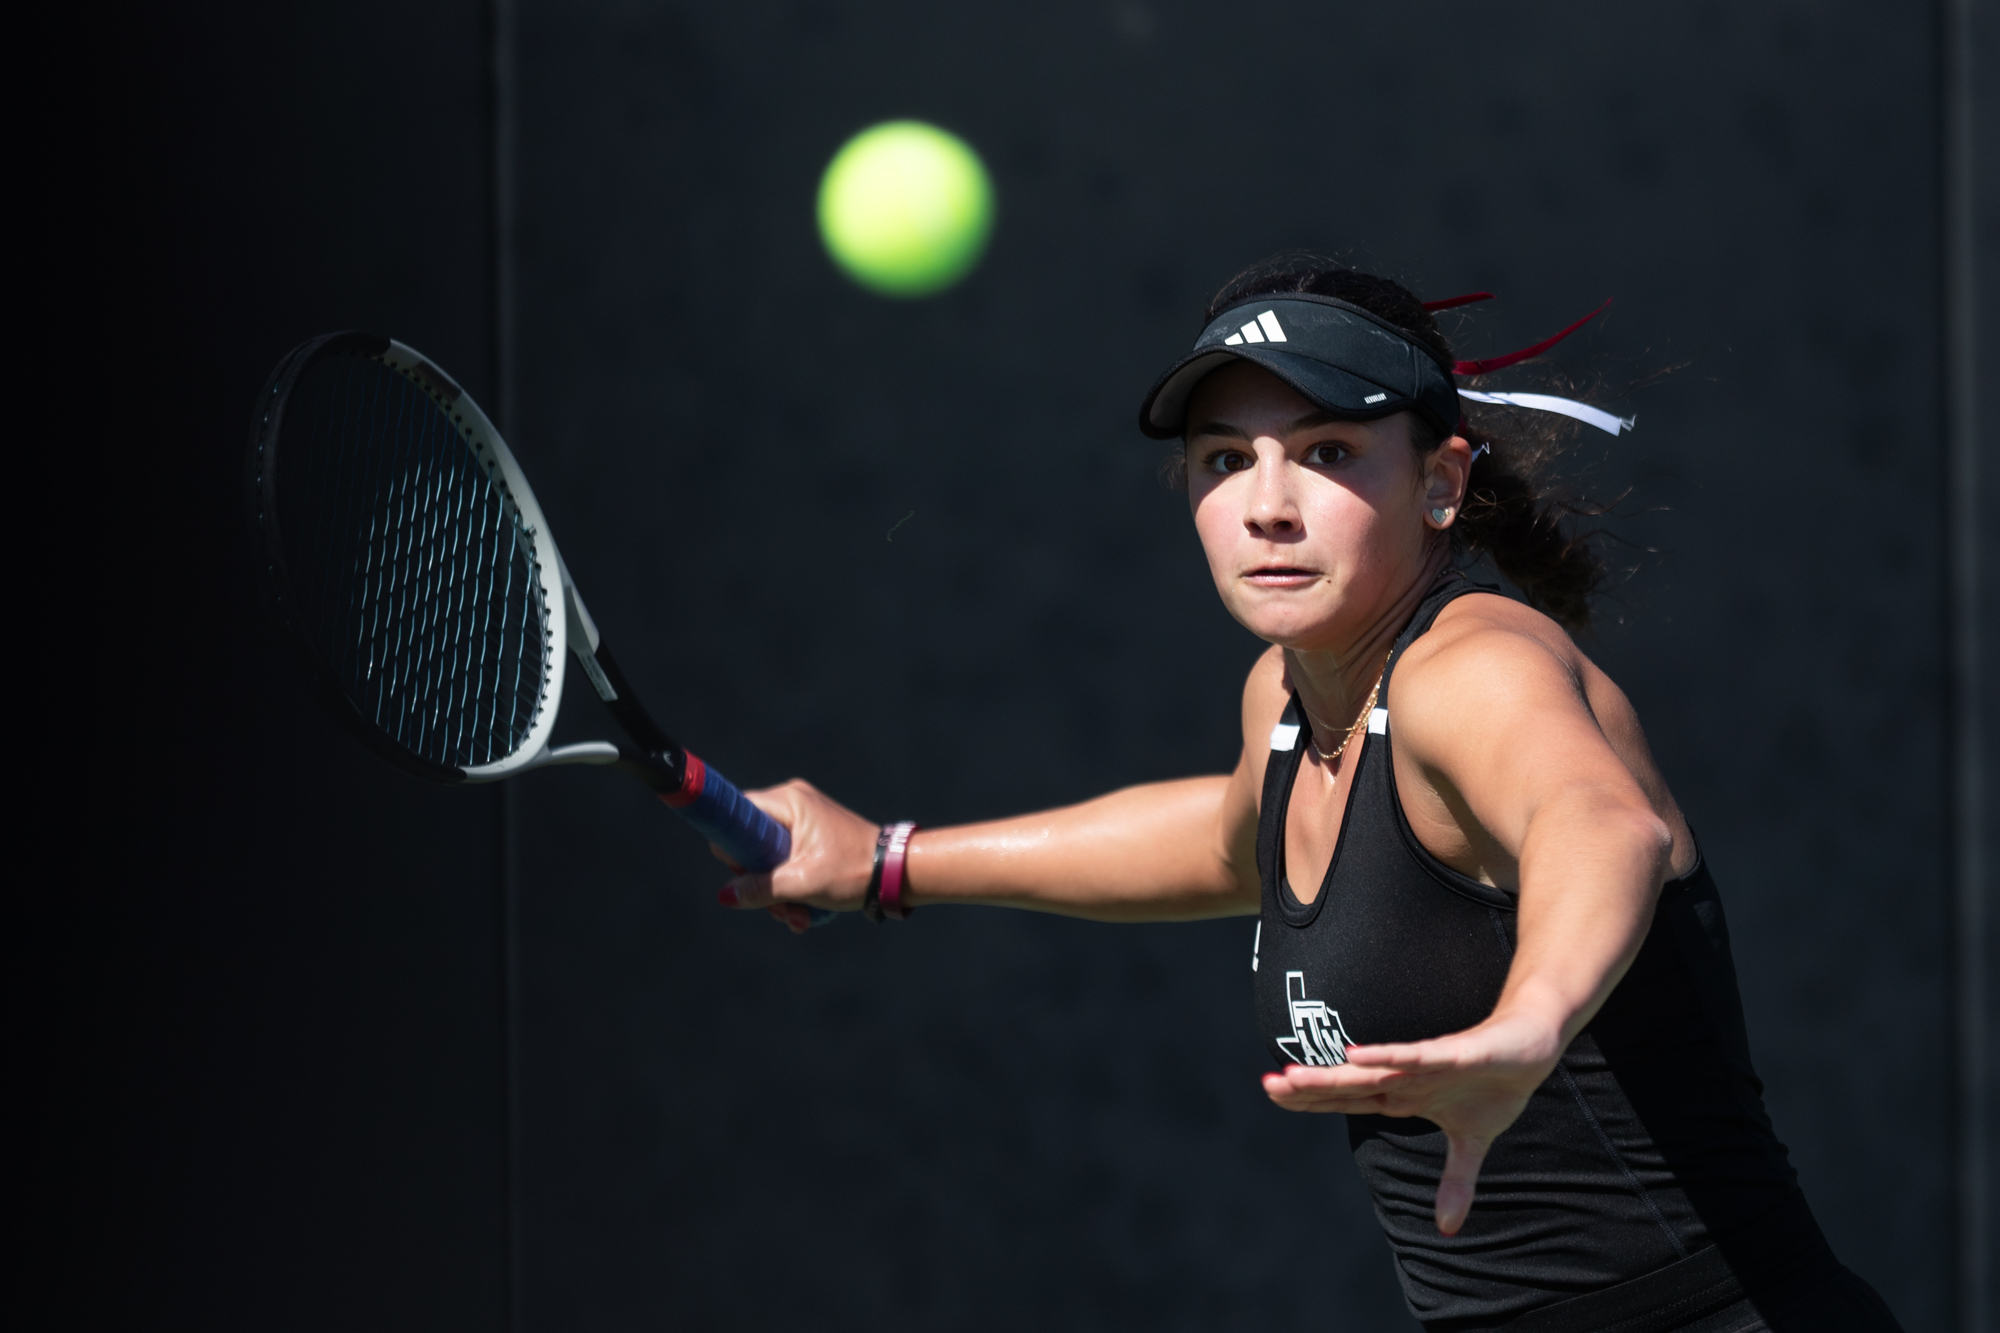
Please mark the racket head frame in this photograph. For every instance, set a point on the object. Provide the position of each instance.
(558, 596)
(703, 797)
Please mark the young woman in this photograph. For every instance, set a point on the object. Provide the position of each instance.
(1487, 935)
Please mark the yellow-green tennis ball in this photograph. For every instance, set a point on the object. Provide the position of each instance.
(905, 208)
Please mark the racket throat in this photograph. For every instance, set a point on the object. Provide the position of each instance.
(594, 656)
(667, 772)
(584, 639)
(598, 680)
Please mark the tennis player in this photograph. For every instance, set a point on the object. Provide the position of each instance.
(1487, 936)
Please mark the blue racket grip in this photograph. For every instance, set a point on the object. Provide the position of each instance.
(726, 817)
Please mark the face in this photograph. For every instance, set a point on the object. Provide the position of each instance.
(1313, 526)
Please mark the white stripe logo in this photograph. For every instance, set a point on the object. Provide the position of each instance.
(1264, 328)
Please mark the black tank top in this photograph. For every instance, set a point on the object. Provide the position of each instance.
(1643, 1171)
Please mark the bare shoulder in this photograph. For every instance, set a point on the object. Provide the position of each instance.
(1486, 651)
(1488, 621)
(1265, 694)
(1499, 694)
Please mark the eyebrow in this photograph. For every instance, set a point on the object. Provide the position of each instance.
(1306, 422)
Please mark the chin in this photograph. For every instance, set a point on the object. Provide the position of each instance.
(1287, 627)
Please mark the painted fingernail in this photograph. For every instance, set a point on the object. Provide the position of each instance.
(728, 895)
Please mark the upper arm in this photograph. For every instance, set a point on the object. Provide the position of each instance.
(1495, 717)
(1265, 693)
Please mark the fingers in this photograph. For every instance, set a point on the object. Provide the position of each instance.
(1366, 1092)
(753, 893)
(744, 895)
(1340, 1088)
(798, 919)
(1463, 1157)
(1492, 1045)
(833, 850)
(1514, 1040)
(747, 891)
(1444, 1053)
(775, 801)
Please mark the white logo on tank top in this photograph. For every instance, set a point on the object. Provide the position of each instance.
(1317, 1036)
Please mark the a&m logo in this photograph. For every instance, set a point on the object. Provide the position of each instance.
(1317, 1036)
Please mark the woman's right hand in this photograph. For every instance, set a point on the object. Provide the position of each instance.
(833, 855)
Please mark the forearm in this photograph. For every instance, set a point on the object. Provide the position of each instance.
(1159, 852)
(1591, 868)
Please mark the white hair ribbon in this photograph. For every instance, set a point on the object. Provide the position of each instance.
(1569, 407)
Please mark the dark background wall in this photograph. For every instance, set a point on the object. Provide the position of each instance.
(305, 977)
(981, 1118)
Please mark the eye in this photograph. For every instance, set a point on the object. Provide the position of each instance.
(1226, 460)
(1327, 455)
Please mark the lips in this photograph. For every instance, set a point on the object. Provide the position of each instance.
(1280, 576)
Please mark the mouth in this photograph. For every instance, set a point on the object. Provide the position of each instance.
(1280, 576)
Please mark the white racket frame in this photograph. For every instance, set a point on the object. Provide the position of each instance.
(566, 612)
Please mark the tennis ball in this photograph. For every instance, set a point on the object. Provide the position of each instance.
(905, 208)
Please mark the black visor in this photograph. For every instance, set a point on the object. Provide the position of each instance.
(1338, 356)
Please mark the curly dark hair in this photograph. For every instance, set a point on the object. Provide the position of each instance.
(1511, 512)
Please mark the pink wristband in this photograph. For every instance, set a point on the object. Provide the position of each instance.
(891, 896)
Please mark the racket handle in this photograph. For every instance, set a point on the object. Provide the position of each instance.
(727, 818)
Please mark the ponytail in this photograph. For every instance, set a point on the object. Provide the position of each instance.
(1509, 516)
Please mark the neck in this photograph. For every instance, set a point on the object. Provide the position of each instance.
(1334, 683)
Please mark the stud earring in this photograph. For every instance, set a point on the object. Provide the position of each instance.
(1441, 516)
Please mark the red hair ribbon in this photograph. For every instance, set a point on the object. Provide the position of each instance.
(1456, 301)
(1512, 358)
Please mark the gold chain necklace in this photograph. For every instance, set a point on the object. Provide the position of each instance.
(1329, 757)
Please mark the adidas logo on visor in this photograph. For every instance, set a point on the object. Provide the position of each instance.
(1264, 328)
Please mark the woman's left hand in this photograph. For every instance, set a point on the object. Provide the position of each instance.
(1471, 1084)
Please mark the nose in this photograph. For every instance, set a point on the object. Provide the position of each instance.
(1273, 510)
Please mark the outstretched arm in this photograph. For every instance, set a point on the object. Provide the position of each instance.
(1495, 727)
(1166, 851)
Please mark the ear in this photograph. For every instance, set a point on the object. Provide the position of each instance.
(1446, 473)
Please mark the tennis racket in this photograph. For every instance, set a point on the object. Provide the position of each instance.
(404, 554)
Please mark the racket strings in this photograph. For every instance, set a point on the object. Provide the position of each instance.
(422, 592)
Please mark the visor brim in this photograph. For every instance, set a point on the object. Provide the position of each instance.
(1163, 416)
